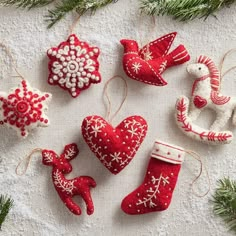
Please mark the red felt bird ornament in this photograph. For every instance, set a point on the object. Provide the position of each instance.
(147, 64)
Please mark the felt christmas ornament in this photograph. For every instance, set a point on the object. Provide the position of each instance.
(206, 95)
(114, 147)
(147, 64)
(23, 108)
(155, 193)
(73, 65)
(68, 188)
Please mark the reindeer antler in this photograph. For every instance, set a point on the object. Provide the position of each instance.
(70, 151)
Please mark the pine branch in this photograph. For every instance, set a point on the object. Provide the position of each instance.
(29, 4)
(62, 8)
(80, 6)
(224, 201)
(6, 204)
(184, 10)
(60, 11)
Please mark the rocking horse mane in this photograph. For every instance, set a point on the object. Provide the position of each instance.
(214, 72)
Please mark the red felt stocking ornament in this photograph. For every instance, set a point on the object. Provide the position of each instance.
(155, 193)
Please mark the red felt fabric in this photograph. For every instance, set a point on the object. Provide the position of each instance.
(73, 65)
(147, 64)
(68, 188)
(155, 193)
(114, 147)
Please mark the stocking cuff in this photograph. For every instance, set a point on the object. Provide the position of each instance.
(168, 152)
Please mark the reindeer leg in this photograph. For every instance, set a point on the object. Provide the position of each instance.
(72, 206)
(86, 195)
(88, 200)
(221, 120)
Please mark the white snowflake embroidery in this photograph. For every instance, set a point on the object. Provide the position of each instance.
(70, 153)
(48, 157)
(147, 55)
(153, 191)
(66, 186)
(133, 131)
(116, 157)
(136, 67)
(96, 130)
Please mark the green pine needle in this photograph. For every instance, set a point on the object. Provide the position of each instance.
(184, 10)
(29, 4)
(80, 6)
(6, 204)
(62, 8)
(224, 201)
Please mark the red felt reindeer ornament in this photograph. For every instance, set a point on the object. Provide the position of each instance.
(147, 64)
(68, 188)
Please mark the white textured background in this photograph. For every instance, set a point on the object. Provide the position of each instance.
(38, 209)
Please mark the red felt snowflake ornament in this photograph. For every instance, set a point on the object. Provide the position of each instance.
(23, 108)
(74, 65)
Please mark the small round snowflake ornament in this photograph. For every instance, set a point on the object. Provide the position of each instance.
(24, 108)
(74, 65)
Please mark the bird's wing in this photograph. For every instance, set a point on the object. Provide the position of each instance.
(141, 70)
(158, 47)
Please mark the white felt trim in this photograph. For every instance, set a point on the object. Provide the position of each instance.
(168, 152)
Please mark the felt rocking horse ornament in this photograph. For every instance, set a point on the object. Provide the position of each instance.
(147, 64)
(67, 188)
(206, 95)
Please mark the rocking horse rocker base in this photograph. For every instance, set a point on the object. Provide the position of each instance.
(193, 131)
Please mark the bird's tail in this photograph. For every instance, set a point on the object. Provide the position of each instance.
(179, 55)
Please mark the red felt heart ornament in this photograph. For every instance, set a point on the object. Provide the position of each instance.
(199, 102)
(114, 147)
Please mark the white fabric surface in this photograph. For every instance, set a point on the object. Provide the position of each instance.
(38, 209)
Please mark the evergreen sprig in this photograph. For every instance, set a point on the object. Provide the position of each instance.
(62, 7)
(224, 201)
(29, 4)
(6, 204)
(184, 10)
(80, 6)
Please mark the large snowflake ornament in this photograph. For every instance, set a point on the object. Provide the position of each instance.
(23, 108)
(73, 65)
